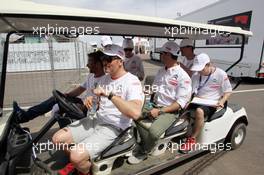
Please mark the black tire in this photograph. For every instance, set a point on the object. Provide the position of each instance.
(237, 136)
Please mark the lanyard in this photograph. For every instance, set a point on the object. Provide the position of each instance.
(201, 86)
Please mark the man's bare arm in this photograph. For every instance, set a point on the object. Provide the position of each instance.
(76, 92)
(132, 108)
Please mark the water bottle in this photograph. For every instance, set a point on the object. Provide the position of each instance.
(92, 111)
(149, 106)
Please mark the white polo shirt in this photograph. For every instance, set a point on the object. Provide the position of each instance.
(214, 88)
(128, 87)
(174, 85)
(90, 84)
(134, 65)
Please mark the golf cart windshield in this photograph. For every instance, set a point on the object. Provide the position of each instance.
(49, 55)
(45, 20)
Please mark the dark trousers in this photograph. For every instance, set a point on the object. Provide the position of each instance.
(47, 105)
(40, 109)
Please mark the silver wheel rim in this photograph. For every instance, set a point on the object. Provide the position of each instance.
(239, 136)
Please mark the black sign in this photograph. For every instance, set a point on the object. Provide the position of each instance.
(241, 20)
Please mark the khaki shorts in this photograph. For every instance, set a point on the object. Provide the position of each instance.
(93, 136)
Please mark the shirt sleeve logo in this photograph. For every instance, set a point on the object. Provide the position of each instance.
(173, 81)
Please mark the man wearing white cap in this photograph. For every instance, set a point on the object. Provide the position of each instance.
(133, 63)
(187, 51)
(211, 83)
(106, 41)
(174, 92)
(121, 100)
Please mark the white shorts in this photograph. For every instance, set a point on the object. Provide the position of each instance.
(93, 136)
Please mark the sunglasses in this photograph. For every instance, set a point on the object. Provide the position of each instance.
(128, 50)
(109, 59)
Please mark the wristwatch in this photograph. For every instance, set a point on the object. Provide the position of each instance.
(110, 96)
(161, 111)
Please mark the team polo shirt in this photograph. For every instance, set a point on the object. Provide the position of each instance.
(174, 85)
(213, 88)
(128, 87)
(134, 65)
(90, 84)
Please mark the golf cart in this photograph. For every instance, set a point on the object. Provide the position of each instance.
(17, 142)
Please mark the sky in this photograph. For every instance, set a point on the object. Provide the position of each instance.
(160, 8)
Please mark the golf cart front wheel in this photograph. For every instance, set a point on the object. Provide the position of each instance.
(237, 135)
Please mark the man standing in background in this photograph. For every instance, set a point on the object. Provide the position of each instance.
(133, 63)
(106, 41)
(187, 48)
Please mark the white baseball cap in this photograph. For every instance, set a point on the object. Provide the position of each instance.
(200, 61)
(187, 42)
(171, 47)
(115, 50)
(106, 40)
(128, 43)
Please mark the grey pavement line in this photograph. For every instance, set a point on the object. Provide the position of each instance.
(248, 90)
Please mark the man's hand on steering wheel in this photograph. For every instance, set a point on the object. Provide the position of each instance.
(67, 106)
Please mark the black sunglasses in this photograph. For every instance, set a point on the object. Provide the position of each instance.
(128, 49)
(109, 59)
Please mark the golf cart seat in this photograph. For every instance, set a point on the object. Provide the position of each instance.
(177, 126)
(221, 112)
(217, 114)
(122, 143)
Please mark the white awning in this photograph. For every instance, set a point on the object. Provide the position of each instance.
(19, 15)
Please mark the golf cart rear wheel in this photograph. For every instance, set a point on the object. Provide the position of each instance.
(237, 136)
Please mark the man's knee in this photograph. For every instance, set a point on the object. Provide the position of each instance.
(78, 155)
(199, 113)
(62, 136)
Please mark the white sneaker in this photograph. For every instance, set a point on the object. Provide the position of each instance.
(137, 158)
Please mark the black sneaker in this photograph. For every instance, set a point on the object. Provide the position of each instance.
(19, 113)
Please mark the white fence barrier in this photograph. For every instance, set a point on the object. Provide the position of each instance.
(35, 57)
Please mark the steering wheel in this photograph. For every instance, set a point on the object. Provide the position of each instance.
(68, 106)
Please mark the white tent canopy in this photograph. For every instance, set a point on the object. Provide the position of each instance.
(28, 16)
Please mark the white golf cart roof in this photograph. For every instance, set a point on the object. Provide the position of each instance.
(17, 15)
